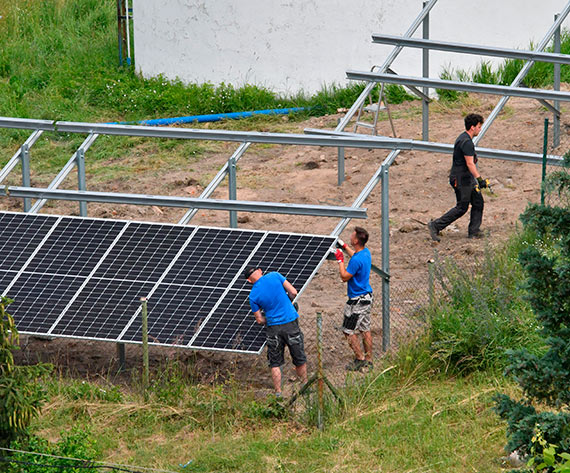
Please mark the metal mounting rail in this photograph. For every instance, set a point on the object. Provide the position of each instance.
(461, 86)
(471, 49)
(187, 202)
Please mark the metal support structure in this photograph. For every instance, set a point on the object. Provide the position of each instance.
(121, 356)
(209, 190)
(556, 117)
(172, 201)
(461, 86)
(544, 150)
(66, 170)
(476, 50)
(521, 75)
(385, 142)
(15, 159)
(81, 182)
(385, 258)
(144, 315)
(425, 73)
(232, 185)
(26, 178)
(370, 86)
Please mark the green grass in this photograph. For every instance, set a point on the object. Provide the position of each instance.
(399, 419)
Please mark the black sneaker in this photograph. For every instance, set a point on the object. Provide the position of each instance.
(356, 365)
(433, 232)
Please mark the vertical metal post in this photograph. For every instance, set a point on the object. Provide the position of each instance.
(556, 119)
(26, 180)
(81, 183)
(544, 149)
(119, 28)
(145, 345)
(425, 73)
(385, 260)
(320, 377)
(232, 184)
(431, 287)
(121, 356)
(340, 164)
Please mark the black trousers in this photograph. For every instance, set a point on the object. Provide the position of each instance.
(466, 192)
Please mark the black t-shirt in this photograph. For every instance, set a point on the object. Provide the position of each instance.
(463, 147)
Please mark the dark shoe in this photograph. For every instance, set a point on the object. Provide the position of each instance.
(478, 235)
(433, 232)
(368, 364)
(356, 365)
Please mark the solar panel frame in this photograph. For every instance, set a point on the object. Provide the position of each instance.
(233, 250)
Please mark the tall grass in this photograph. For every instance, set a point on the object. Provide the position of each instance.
(483, 312)
(540, 74)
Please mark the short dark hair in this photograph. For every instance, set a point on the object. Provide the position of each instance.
(361, 235)
(249, 271)
(473, 119)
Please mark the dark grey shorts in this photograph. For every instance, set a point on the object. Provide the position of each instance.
(279, 336)
(357, 314)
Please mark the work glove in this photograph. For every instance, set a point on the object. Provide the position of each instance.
(341, 244)
(339, 256)
(483, 183)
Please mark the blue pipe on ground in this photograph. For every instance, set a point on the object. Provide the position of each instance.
(212, 117)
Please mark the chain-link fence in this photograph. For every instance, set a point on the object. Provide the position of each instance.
(556, 184)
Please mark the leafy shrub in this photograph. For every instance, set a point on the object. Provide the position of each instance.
(21, 393)
(544, 379)
(86, 391)
(76, 444)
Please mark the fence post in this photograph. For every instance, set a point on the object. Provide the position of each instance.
(556, 103)
(145, 346)
(320, 377)
(544, 149)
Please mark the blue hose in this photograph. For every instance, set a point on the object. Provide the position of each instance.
(212, 117)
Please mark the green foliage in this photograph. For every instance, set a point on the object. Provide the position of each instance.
(446, 94)
(272, 408)
(21, 393)
(544, 379)
(547, 457)
(540, 74)
(86, 391)
(482, 313)
(76, 443)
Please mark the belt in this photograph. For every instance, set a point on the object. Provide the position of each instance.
(359, 300)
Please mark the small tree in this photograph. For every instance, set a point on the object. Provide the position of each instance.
(21, 396)
(545, 379)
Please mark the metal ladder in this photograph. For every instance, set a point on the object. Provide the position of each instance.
(375, 108)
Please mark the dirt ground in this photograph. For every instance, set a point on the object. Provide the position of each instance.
(419, 191)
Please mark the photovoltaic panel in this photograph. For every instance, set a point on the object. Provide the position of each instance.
(175, 313)
(143, 252)
(75, 246)
(213, 257)
(83, 278)
(5, 279)
(39, 299)
(102, 309)
(232, 326)
(19, 236)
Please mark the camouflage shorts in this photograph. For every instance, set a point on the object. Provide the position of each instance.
(357, 314)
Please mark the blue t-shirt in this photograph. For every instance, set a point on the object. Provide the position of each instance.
(269, 294)
(359, 267)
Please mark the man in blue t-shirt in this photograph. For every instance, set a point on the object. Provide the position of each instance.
(270, 300)
(359, 304)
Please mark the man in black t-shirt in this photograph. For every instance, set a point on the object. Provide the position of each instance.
(466, 182)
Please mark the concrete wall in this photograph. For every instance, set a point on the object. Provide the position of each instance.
(301, 45)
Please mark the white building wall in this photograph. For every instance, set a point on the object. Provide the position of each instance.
(301, 45)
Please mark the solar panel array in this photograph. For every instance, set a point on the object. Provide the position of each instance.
(83, 278)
